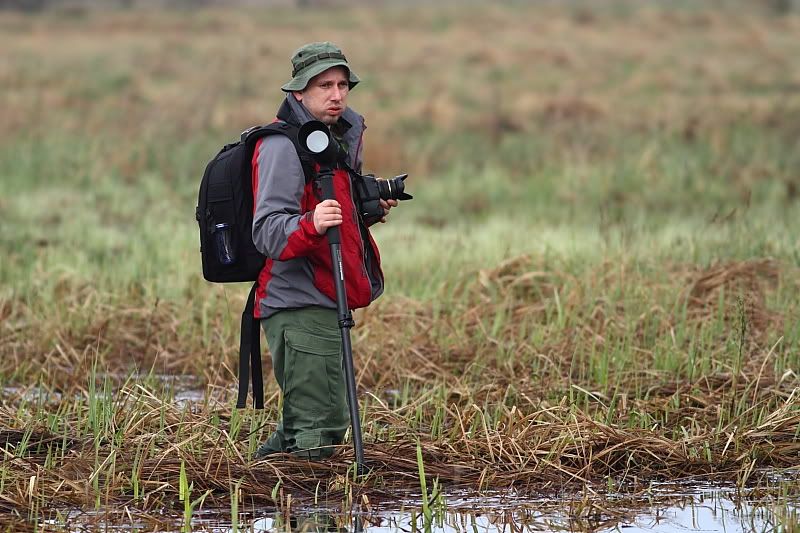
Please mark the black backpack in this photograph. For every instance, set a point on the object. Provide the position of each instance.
(225, 215)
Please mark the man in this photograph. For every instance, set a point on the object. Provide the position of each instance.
(296, 298)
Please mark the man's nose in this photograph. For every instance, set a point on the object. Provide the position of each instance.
(336, 94)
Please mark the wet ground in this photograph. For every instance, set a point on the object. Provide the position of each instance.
(691, 505)
(661, 508)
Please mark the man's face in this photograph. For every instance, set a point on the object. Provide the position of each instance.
(325, 96)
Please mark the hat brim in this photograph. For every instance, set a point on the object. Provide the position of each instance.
(299, 82)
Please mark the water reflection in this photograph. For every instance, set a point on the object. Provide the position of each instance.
(314, 521)
(709, 509)
(658, 509)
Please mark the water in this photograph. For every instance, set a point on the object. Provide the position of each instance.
(666, 508)
(775, 506)
(176, 388)
(709, 509)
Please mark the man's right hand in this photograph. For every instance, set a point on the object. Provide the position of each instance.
(327, 214)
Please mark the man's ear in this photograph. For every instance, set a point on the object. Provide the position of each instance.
(298, 95)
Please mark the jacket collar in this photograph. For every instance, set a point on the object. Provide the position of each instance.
(295, 113)
(349, 127)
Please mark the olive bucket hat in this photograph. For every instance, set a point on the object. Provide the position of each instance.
(313, 58)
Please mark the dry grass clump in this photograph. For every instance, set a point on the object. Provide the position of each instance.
(534, 327)
(748, 280)
(529, 377)
(147, 447)
(119, 334)
(519, 312)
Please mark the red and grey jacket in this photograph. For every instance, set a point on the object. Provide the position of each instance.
(297, 272)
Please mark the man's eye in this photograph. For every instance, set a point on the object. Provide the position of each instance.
(326, 85)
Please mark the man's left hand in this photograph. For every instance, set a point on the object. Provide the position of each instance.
(386, 205)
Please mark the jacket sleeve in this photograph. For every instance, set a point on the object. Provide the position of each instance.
(280, 230)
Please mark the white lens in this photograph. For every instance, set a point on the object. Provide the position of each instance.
(317, 141)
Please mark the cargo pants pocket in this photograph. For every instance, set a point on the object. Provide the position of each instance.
(306, 381)
(314, 402)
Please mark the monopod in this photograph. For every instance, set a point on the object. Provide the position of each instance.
(315, 138)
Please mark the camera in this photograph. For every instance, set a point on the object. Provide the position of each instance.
(371, 190)
(315, 139)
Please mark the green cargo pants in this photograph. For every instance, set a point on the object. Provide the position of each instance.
(306, 348)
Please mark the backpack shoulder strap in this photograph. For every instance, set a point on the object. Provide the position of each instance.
(251, 136)
(250, 334)
(250, 355)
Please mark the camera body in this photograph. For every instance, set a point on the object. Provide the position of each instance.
(315, 139)
(369, 191)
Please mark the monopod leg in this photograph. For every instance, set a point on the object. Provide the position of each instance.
(345, 323)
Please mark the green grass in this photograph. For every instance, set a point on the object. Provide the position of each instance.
(115, 231)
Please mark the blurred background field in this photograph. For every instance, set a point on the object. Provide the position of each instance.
(582, 133)
(605, 214)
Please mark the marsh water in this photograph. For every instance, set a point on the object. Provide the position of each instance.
(661, 508)
(688, 505)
